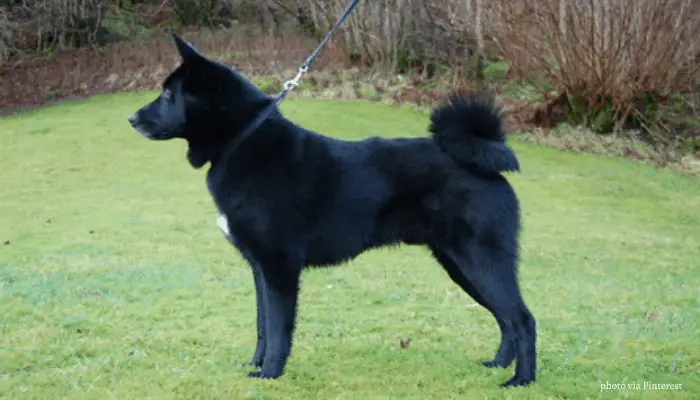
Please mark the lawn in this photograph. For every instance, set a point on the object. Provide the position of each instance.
(115, 282)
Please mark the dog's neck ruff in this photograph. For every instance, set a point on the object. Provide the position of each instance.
(257, 122)
(248, 130)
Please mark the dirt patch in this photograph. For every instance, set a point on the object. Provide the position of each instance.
(142, 65)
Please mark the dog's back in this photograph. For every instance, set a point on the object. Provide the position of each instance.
(414, 190)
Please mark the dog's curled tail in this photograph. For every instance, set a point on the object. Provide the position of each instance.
(469, 128)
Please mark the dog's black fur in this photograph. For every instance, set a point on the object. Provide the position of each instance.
(294, 198)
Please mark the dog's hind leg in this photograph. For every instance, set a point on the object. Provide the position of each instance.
(489, 276)
(506, 350)
(281, 281)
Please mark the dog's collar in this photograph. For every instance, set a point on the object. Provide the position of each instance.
(259, 120)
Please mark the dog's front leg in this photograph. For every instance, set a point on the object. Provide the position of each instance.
(260, 296)
(260, 300)
(282, 289)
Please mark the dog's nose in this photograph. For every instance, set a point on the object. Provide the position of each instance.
(133, 119)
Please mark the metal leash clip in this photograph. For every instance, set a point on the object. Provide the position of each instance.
(294, 83)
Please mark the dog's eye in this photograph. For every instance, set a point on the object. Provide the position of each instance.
(167, 93)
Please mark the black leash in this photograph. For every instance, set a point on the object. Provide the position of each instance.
(294, 83)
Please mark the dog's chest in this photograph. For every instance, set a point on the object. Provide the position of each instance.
(239, 216)
(221, 188)
(222, 223)
(225, 200)
(242, 229)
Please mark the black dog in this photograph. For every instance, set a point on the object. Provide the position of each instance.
(292, 198)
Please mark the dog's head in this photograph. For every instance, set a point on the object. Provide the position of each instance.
(202, 101)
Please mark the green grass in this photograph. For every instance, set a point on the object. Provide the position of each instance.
(115, 282)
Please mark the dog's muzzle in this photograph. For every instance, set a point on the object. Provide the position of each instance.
(142, 128)
(136, 124)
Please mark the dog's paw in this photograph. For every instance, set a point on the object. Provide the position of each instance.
(262, 375)
(517, 381)
(494, 364)
(255, 362)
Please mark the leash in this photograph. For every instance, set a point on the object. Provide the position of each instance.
(294, 82)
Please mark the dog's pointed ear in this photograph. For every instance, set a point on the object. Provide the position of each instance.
(186, 50)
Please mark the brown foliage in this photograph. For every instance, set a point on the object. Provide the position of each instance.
(618, 56)
(403, 35)
(7, 29)
(42, 24)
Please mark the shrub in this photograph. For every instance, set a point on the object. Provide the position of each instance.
(222, 13)
(402, 35)
(7, 31)
(45, 24)
(209, 13)
(613, 63)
